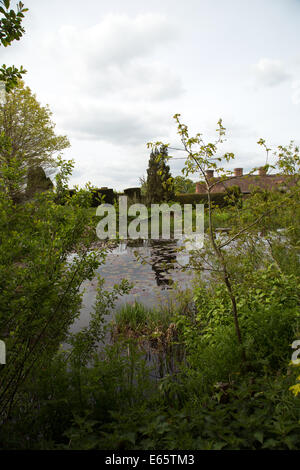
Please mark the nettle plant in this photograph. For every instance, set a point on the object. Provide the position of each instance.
(223, 255)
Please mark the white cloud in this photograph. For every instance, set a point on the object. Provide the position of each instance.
(112, 85)
(116, 55)
(115, 123)
(146, 80)
(296, 92)
(113, 74)
(108, 164)
(117, 39)
(269, 72)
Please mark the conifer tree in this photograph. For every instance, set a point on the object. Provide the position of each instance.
(160, 185)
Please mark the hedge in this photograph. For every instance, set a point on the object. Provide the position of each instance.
(219, 199)
(97, 193)
(133, 193)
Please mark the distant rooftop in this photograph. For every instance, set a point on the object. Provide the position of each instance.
(245, 182)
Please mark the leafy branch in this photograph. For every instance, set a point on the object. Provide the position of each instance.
(11, 29)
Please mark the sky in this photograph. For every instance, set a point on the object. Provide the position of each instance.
(114, 74)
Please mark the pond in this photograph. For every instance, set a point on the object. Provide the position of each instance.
(153, 280)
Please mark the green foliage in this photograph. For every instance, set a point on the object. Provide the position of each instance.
(40, 296)
(217, 199)
(11, 76)
(37, 181)
(216, 256)
(234, 196)
(113, 405)
(73, 403)
(11, 29)
(30, 129)
(138, 318)
(211, 402)
(296, 387)
(155, 332)
(159, 186)
(134, 195)
(184, 185)
(265, 289)
(12, 172)
(132, 317)
(143, 183)
(62, 179)
(176, 377)
(104, 195)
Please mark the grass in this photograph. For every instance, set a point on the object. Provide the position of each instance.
(139, 320)
(155, 329)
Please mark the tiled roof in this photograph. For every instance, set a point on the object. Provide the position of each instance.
(246, 183)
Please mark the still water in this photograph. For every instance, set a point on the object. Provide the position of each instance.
(153, 280)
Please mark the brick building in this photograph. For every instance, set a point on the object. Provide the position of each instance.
(245, 182)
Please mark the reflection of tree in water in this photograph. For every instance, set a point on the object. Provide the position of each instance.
(162, 259)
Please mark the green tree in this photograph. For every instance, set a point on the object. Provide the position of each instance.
(160, 186)
(39, 284)
(29, 126)
(29, 132)
(39, 281)
(143, 183)
(183, 185)
(218, 252)
(234, 196)
(11, 29)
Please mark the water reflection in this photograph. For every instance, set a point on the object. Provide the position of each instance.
(152, 281)
(162, 255)
(163, 258)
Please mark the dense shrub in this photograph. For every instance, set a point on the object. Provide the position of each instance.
(218, 199)
(133, 193)
(97, 196)
(37, 181)
(104, 195)
(114, 404)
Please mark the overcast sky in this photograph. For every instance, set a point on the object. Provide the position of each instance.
(115, 72)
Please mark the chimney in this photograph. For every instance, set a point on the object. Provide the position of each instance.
(262, 171)
(238, 172)
(209, 173)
